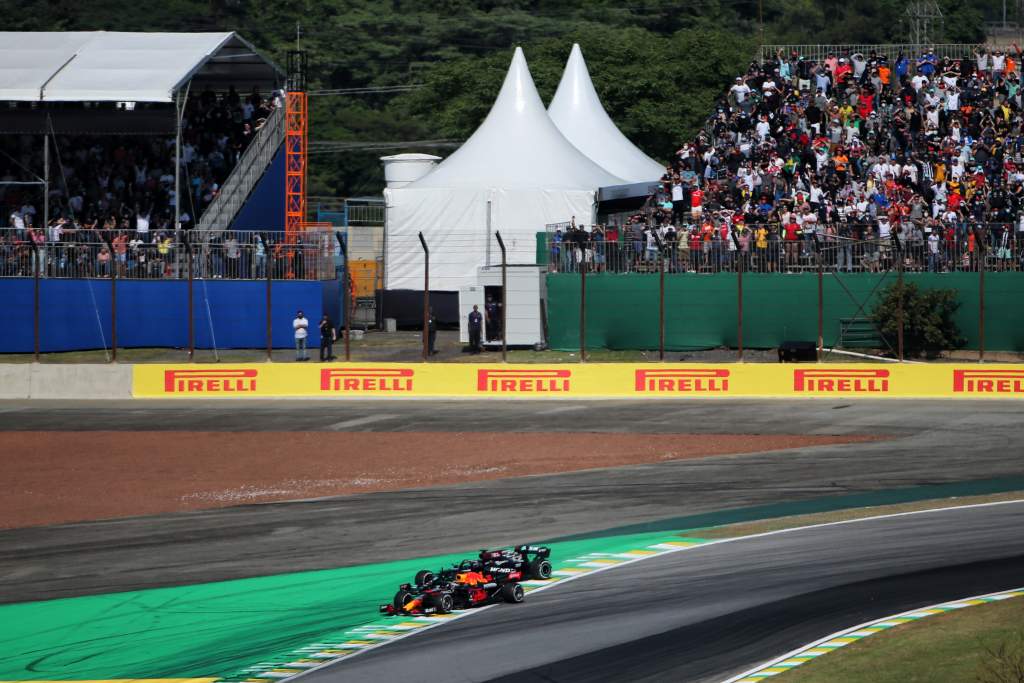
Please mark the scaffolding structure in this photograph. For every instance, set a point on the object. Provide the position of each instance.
(296, 145)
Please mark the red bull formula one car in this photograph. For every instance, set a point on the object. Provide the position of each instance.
(494, 577)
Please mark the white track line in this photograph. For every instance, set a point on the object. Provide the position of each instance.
(866, 624)
(625, 563)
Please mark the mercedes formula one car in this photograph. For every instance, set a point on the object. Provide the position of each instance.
(494, 577)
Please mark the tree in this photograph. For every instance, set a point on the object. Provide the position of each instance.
(928, 324)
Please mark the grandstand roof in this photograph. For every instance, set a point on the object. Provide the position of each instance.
(101, 66)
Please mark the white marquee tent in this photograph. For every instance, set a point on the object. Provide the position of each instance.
(516, 173)
(577, 111)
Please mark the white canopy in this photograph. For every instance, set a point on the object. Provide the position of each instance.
(516, 165)
(577, 111)
(100, 66)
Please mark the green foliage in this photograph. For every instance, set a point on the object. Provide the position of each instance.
(928, 325)
(657, 64)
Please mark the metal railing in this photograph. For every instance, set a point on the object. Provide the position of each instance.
(819, 53)
(694, 252)
(140, 256)
(246, 173)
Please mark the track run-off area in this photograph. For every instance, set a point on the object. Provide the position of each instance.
(242, 592)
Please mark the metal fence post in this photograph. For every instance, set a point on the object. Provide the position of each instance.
(504, 295)
(821, 299)
(426, 298)
(191, 312)
(739, 296)
(113, 299)
(583, 307)
(270, 328)
(345, 299)
(902, 295)
(35, 303)
(661, 297)
(980, 245)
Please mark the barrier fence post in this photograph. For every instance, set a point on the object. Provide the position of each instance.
(504, 296)
(661, 297)
(583, 307)
(902, 294)
(113, 299)
(345, 300)
(426, 298)
(739, 296)
(270, 328)
(981, 246)
(35, 302)
(821, 299)
(191, 313)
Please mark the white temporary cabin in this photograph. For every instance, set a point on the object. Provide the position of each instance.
(526, 292)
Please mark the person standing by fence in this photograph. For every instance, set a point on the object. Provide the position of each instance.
(476, 323)
(327, 337)
(301, 327)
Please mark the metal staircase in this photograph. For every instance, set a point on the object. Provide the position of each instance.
(246, 174)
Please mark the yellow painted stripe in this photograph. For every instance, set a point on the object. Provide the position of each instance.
(679, 544)
(640, 553)
(126, 680)
(838, 641)
(609, 562)
(572, 570)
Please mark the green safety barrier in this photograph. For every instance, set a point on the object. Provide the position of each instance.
(701, 309)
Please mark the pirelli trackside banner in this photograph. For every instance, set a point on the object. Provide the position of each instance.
(617, 380)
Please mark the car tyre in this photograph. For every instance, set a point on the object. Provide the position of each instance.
(444, 603)
(402, 598)
(423, 577)
(513, 592)
(540, 569)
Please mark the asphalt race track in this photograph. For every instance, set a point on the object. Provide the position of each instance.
(701, 615)
(932, 442)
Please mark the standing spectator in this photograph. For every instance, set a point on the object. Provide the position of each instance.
(233, 253)
(327, 337)
(476, 322)
(301, 327)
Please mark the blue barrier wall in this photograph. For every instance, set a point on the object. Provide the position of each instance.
(264, 209)
(75, 314)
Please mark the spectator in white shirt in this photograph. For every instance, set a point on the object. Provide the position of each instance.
(301, 327)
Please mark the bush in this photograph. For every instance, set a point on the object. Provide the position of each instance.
(928, 325)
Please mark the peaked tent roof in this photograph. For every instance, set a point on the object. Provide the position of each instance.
(518, 147)
(101, 66)
(577, 111)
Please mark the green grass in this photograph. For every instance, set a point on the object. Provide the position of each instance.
(949, 647)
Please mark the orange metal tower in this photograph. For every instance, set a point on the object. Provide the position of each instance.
(296, 128)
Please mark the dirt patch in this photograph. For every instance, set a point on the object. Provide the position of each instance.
(56, 477)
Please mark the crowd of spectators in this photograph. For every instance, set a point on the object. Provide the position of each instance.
(860, 155)
(123, 185)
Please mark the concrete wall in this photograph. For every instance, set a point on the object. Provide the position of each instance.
(31, 380)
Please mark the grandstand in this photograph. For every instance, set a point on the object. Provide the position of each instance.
(854, 148)
(116, 146)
